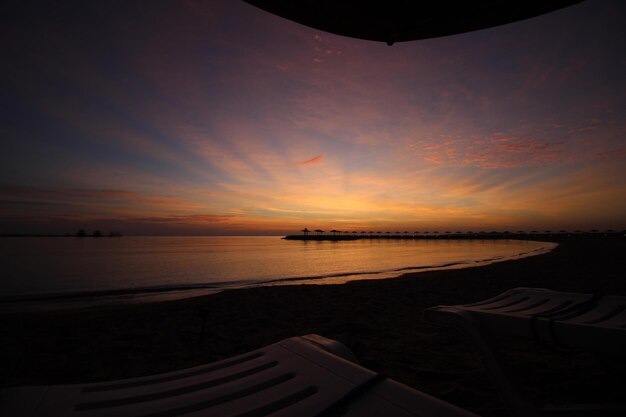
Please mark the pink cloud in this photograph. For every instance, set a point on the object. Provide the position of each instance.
(501, 152)
(313, 161)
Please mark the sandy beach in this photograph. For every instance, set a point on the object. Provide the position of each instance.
(380, 321)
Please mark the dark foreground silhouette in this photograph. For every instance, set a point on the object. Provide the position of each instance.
(380, 321)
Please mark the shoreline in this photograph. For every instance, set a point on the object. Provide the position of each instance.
(42, 302)
(379, 320)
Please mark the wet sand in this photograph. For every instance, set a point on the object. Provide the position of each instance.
(380, 321)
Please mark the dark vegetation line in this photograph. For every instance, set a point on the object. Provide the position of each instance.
(80, 233)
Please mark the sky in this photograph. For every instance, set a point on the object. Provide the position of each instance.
(214, 117)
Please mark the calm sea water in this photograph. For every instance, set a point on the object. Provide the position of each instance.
(57, 267)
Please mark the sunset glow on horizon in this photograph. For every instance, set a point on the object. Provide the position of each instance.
(218, 118)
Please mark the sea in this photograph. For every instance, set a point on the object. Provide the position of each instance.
(64, 272)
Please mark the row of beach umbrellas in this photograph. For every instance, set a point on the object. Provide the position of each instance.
(335, 232)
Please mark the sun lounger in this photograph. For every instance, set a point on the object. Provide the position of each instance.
(562, 320)
(301, 376)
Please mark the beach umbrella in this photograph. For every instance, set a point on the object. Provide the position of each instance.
(334, 232)
(319, 232)
(393, 21)
(305, 231)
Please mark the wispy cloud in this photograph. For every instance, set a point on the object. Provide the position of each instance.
(92, 201)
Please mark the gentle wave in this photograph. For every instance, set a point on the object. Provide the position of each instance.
(122, 291)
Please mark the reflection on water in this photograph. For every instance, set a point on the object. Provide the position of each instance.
(134, 265)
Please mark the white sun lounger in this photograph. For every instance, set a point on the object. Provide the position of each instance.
(301, 376)
(563, 320)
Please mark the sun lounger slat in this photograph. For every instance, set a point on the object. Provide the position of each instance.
(527, 306)
(213, 402)
(488, 300)
(502, 304)
(217, 402)
(200, 370)
(184, 381)
(172, 392)
(550, 308)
